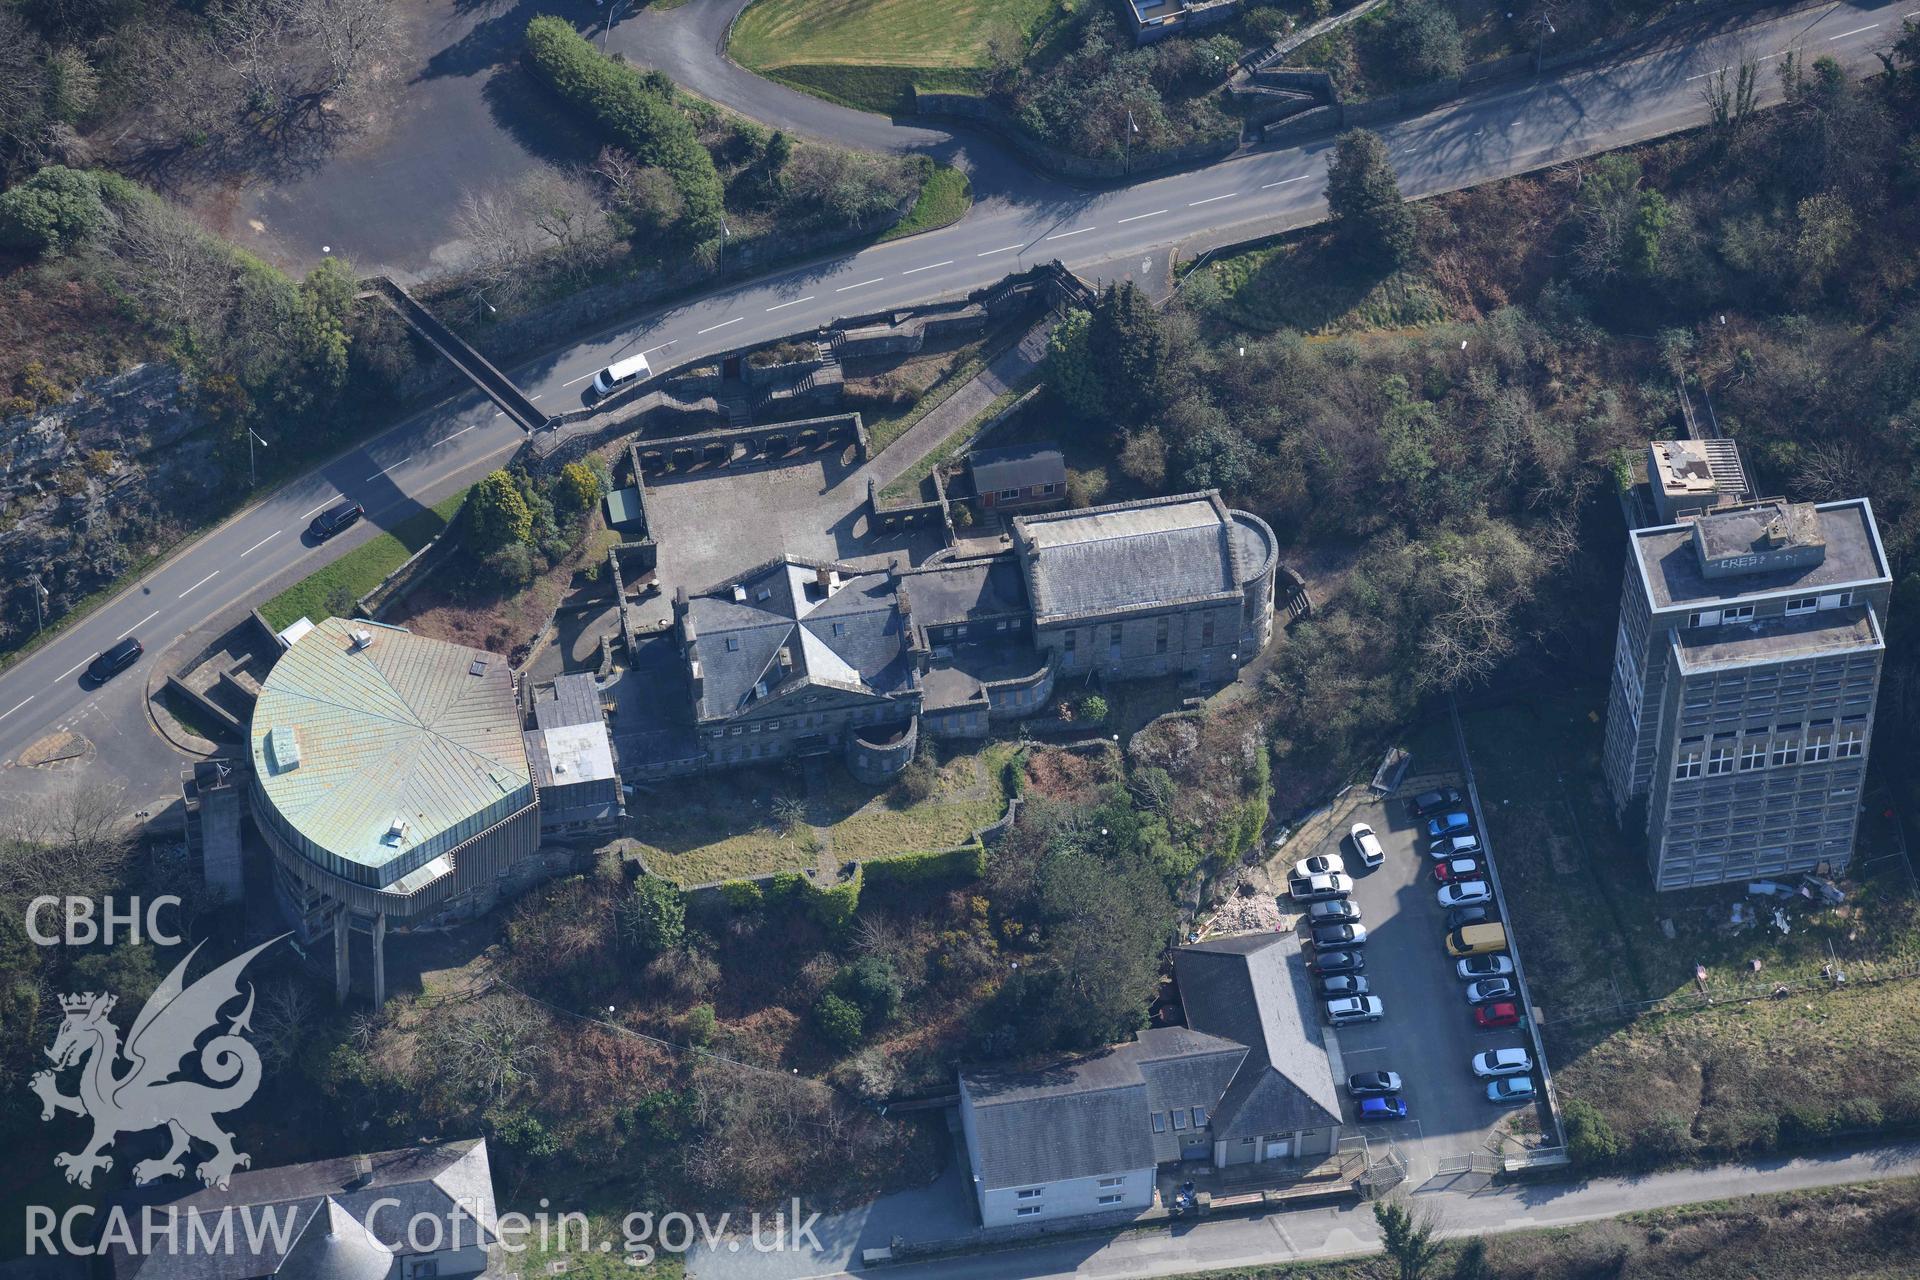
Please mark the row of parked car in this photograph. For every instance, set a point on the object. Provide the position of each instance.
(1322, 886)
(1475, 939)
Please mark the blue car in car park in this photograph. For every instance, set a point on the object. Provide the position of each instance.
(1391, 1107)
(1509, 1091)
(1449, 824)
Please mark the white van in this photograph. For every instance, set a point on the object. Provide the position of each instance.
(620, 373)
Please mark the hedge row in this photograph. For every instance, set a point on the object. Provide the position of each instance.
(637, 111)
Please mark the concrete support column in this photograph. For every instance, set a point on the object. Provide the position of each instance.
(379, 959)
(341, 972)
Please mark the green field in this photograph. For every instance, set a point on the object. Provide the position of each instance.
(867, 53)
(361, 569)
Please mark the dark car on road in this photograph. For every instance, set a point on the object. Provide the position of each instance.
(107, 665)
(1433, 801)
(335, 519)
(1340, 935)
(1339, 962)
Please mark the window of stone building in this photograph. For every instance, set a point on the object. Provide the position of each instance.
(1206, 631)
(1067, 640)
(1719, 760)
(1802, 604)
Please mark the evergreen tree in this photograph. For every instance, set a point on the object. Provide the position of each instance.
(1364, 199)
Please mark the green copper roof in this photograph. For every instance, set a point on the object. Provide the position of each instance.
(380, 756)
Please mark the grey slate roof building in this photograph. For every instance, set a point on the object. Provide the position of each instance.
(1247, 1079)
(570, 754)
(1746, 673)
(797, 657)
(346, 1219)
(1022, 475)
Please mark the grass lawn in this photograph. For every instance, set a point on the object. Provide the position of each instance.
(867, 53)
(361, 569)
(1734, 1076)
(738, 823)
(944, 199)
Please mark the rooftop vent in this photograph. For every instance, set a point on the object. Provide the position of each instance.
(764, 593)
(739, 593)
(479, 667)
(362, 1173)
(284, 746)
(396, 831)
(361, 639)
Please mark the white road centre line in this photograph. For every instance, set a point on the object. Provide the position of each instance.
(1136, 217)
(782, 306)
(136, 626)
(329, 502)
(863, 284)
(462, 431)
(500, 415)
(76, 666)
(930, 266)
(196, 586)
(1210, 199)
(1284, 181)
(16, 706)
(1856, 31)
(403, 462)
(1704, 74)
(1065, 234)
(723, 324)
(1005, 248)
(263, 542)
(582, 378)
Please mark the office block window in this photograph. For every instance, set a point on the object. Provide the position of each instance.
(1753, 754)
(1720, 760)
(1852, 743)
(1819, 743)
(1031, 1193)
(1802, 604)
(1028, 1211)
(1110, 1199)
(1786, 745)
(1687, 763)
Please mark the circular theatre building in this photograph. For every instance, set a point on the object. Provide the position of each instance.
(391, 782)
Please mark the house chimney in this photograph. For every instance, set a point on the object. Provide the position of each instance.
(362, 1173)
(823, 576)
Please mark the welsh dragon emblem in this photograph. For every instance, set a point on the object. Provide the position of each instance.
(145, 1095)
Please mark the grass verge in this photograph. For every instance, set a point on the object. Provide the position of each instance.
(944, 199)
(361, 569)
(1309, 284)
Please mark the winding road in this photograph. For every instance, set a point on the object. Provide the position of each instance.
(1506, 130)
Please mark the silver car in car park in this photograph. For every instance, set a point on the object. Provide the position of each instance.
(1502, 1062)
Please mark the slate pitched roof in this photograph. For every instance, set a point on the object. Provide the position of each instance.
(1129, 556)
(312, 1220)
(1251, 989)
(1016, 467)
(760, 632)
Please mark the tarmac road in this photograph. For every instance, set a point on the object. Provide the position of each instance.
(1504, 132)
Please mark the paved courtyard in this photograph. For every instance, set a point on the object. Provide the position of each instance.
(713, 524)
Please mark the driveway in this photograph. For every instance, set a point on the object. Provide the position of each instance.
(1428, 1034)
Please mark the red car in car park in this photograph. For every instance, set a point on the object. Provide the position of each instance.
(1457, 869)
(1490, 1017)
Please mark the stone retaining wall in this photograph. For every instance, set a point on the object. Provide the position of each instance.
(973, 109)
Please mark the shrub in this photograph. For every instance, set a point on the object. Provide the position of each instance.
(52, 212)
(1419, 41)
(653, 918)
(871, 983)
(578, 487)
(743, 895)
(1590, 1139)
(639, 111)
(839, 1022)
(951, 866)
(921, 777)
(1093, 709)
(700, 1025)
(497, 514)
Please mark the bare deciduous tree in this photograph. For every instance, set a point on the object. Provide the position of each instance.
(490, 1046)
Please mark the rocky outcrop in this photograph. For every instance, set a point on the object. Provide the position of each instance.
(90, 487)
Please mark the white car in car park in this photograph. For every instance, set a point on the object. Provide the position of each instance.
(1351, 1009)
(1502, 1062)
(1319, 888)
(1494, 966)
(1320, 864)
(1367, 845)
(1465, 893)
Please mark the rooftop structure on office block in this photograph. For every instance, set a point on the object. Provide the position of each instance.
(1746, 670)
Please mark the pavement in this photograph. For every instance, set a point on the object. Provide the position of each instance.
(1507, 131)
(1346, 1229)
